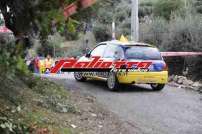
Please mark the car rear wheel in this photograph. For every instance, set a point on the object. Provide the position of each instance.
(112, 82)
(79, 77)
(157, 87)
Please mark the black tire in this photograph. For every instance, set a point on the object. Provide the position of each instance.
(78, 76)
(157, 87)
(112, 82)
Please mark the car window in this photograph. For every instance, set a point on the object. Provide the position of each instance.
(114, 51)
(142, 53)
(98, 51)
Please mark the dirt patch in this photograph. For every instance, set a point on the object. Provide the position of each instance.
(93, 118)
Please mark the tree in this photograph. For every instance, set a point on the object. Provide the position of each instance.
(120, 11)
(109, 10)
(164, 8)
(30, 18)
(38, 18)
(25, 16)
(145, 8)
(198, 5)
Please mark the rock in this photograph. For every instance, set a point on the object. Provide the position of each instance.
(182, 77)
(197, 84)
(93, 115)
(181, 86)
(73, 126)
(183, 82)
(196, 88)
(18, 109)
(65, 108)
(187, 82)
(180, 81)
(100, 126)
(90, 99)
(61, 108)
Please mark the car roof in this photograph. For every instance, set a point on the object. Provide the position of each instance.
(131, 43)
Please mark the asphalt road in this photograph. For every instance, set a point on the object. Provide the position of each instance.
(171, 111)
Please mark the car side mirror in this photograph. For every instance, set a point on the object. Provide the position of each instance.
(88, 55)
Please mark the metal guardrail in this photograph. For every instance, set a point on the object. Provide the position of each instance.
(180, 54)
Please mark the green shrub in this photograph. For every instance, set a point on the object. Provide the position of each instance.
(198, 6)
(164, 8)
(153, 32)
(8, 126)
(179, 34)
(184, 34)
(11, 61)
(52, 45)
(145, 8)
(102, 32)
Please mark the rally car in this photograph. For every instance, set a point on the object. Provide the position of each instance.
(156, 75)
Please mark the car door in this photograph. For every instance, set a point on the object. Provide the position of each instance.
(112, 53)
(97, 51)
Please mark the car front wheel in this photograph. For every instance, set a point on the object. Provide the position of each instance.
(112, 82)
(79, 77)
(157, 87)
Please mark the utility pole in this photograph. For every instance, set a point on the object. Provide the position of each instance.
(113, 23)
(113, 30)
(135, 21)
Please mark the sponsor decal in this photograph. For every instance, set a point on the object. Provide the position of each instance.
(96, 64)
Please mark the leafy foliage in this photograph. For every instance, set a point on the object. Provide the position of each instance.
(120, 12)
(25, 16)
(37, 18)
(153, 32)
(11, 62)
(165, 8)
(108, 11)
(54, 43)
(185, 35)
(146, 8)
(33, 18)
(198, 5)
(8, 126)
(178, 34)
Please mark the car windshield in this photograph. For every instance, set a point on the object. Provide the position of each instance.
(142, 53)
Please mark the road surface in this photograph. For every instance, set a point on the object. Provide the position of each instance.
(171, 111)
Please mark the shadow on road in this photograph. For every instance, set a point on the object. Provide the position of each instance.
(124, 88)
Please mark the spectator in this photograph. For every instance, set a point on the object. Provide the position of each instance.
(36, 64)
(48, 63)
